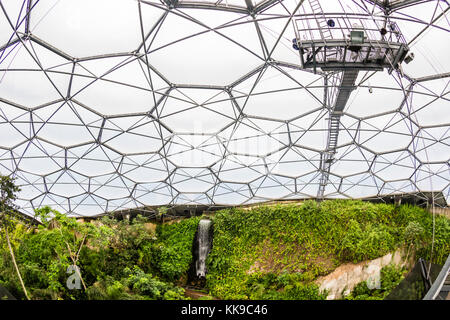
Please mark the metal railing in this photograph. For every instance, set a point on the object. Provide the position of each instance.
(438, 284)
(376, 29)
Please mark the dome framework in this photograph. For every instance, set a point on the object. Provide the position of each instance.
(110, 105)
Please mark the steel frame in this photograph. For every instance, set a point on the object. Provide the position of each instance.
(317, 158)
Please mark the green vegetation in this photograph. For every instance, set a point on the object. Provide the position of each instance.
(390, 277)
(135, 285)
(309, 240)
(171, 254)
(268, 252)
(117, 259)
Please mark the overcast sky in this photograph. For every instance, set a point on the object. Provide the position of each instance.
(94, 118)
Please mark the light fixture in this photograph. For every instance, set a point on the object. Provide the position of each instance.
(331, 23)
(409, 58)
(294, 44)
(357, 37)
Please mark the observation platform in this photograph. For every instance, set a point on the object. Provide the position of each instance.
(344, 44)
(348, 41)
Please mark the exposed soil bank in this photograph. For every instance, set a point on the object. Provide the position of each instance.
(195, 294)
(345, 277)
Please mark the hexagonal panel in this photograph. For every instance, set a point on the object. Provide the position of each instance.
(112, 105)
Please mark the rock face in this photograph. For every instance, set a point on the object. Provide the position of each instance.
(345, 277)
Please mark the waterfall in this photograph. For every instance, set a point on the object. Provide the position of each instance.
(204, 241)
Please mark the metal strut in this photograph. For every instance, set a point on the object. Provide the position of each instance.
(341, 45)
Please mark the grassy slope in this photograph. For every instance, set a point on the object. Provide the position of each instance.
(275, 252)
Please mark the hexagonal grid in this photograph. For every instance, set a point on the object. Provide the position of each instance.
(109, 105)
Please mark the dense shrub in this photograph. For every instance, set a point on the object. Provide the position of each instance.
(113, 257)
(284, 286)
(171, 253)
(147, 285)
(364, 243)
(134, 284)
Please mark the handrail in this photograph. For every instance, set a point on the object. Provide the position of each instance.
(439, 282)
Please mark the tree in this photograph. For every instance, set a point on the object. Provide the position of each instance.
(7, 206)
(72, 233)
(162, 211)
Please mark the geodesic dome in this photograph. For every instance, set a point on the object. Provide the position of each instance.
(108, 104)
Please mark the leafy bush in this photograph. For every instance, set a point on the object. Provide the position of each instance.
(441, 247)
(134, 284)
(284, 286)
(118, 244)
(149, 286)
(110, 289)
(101, 250)
(366, 243)
(171, 253)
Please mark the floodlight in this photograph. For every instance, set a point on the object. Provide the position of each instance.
(357, 37)
(409, 58)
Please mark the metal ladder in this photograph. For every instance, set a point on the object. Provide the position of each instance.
(341, 98)
(333, 132)
(346, 86)
(324, 28)
(321, 21)
(328, 156)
